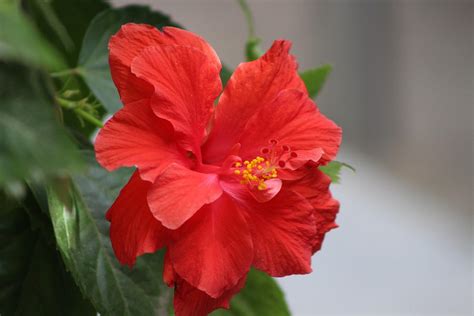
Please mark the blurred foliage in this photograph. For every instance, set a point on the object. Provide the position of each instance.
(21, 41)
(64, 23)
(33, 144)
(314, 79)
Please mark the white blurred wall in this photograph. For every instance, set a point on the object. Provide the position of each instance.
(402, 89)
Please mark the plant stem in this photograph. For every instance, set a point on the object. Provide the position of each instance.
(71, 105)
(67, 72)
(88, 117)
(248, 16)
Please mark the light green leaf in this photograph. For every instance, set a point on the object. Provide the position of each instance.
(82, 233)
(333, 169)
(32, 143)
(21, 41)
(314, 79)
(93, 59)
(261, 297)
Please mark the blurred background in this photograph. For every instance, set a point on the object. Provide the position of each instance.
(402, 89)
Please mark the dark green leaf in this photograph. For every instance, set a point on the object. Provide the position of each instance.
(33, 280)
(82, 233)
(333, 169)
(48, 289)
(32, 143)
(16, 245)
(93, 59)
(64, 23)
(261, 297)
(225, 74)
(314, 79)
(21, 41)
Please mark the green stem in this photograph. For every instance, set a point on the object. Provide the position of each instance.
(66, 103)
(248, 16)
(88, 117)
(71, 105)
(252, 47)
(67, 72)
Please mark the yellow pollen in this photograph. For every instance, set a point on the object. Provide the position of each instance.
(255, 172)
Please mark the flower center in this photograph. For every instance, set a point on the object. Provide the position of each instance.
(255, 172)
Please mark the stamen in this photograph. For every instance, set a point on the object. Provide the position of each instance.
(255, 172)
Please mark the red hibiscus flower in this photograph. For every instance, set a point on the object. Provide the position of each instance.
(224, 185)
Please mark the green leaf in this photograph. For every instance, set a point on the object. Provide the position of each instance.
(93, 60)
(16, 245)
(261, 297)
(64, 23)
(333, 169)
(314, 79)
(21, 41)
(48, 289)
(32, 143)
(82, 233)
(33, 280)
(225, 74)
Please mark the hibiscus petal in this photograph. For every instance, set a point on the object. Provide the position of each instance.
(134, 136)
(251, 85)
(133, 230)
(282, 232)
(315, 187)
(291, 119)
(213, 250)
(273, 187)
(299, 158)
(179, 192)
(186, 85)
(131, 39)
(188, 300)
